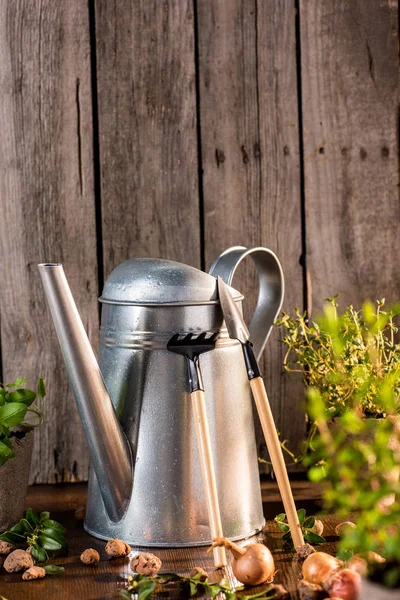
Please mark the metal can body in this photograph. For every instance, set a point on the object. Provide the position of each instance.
(148, 386)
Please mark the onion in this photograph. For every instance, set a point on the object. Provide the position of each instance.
(319, 566)
(345, 584)
(251, 565)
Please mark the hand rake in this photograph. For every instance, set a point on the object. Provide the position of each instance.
(191, 346)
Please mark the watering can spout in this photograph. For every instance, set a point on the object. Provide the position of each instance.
(109, 449)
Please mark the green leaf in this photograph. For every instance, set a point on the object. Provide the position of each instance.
(283, 527)
(287, 537)
(12, 538)
(280, 517)
(12, 414)
(23, 396)
(48, 543)
(32, 517)
(54, 535)
(41, 387)
(44, 516)
(54, 525)
(301, 513)
(309, 523)
(26, 525)
(39, 554)
(53, 569)
(313, 538)
(19, 528)
(5, 450)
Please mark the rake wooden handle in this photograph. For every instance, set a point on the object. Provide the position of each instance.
(208, 474)
(276, 455)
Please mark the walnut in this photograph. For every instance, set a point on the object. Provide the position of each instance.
(199, 571)
(146, 564)
(6, 547)
(18, 560)
(34, 573)
(90, 557)
(117, 548)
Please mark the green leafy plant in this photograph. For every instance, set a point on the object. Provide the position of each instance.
(18, 409)
(359, 457)
(345, 357)
(43, 535)
(306, 524)
(142, 587)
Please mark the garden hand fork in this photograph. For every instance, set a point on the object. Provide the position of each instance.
(191, 347)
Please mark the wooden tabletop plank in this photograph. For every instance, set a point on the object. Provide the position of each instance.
(105, 579)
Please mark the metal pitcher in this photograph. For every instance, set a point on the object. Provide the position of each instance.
(145, 486)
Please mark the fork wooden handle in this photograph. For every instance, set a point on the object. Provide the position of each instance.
(276, 455)
(208, 473)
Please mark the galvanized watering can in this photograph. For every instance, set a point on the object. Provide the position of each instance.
(145, 486)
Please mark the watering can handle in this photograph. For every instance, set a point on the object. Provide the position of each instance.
(271, 291)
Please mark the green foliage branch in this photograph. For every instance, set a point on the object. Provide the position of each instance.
(359, 457)
(43, 535)
(20, 408)
(142, 587)
(346, 357)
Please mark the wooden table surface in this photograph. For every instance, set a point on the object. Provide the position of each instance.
(103, 581)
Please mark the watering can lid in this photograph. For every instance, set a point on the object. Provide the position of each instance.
(149, 281)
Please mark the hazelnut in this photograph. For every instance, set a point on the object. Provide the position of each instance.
(34, 573)
(90, 557)
(318, 527)
(146, 564)
(117, 548)
(18, 560)
(341, 528)
(6, 547)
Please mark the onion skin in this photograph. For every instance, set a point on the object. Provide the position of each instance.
(252, 564)
(318, 567)
(345, 584)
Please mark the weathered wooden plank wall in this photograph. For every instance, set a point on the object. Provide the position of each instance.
(177, 129)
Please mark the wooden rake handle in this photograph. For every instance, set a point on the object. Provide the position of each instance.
(276, 455)
(208, 473)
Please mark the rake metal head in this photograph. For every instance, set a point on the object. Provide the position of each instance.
(192, 345)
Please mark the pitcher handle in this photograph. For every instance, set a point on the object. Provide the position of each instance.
(272, 286)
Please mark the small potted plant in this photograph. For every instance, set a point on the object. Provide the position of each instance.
(345, 357)
(359, 459)
(20, 413)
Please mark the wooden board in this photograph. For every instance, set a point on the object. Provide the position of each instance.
(350, 84)
(147, 127)
(46, 190)
(250, 159)
(105, 579)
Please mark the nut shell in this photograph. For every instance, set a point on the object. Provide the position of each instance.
(18, 560)
(6, 547)
(90, 557)
(116, 548)
(146, 564)
(34, 573)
